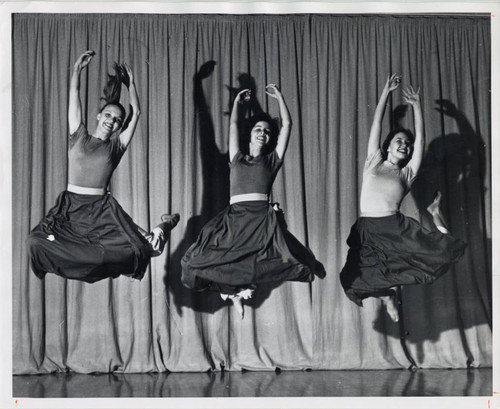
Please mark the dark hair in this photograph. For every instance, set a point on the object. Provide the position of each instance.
(273, 125)
(390, 136)
(113, 88)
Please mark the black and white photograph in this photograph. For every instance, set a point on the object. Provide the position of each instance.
(249, 204)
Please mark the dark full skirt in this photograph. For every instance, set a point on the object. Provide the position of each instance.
(395, 250)
(88, 238)
(244, 245)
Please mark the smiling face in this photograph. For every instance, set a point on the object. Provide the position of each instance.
(110, 119)
(260, 135)
(400, 148)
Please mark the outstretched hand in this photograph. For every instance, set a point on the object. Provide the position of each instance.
(393, 82)
(273, 91)
(84, 59)
(411, 96)
(129, 72)
(243, 95)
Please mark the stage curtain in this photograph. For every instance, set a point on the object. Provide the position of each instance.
(331, 69)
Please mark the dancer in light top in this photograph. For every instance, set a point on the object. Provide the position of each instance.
(386, 248)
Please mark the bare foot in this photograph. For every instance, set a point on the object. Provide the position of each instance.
(170, 220)
(391, 307)
(238, 304)
(434, 207)
(246, 294)
(160, 234)
(437, 217)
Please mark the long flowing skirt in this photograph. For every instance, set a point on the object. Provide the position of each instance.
(244, 245)
(395, 250)
(88, 238)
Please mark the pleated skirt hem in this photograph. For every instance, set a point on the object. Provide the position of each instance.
(88, 238)
(244, 245)
(395, 250)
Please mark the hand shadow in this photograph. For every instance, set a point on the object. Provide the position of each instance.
(251, 107)
(215, 196)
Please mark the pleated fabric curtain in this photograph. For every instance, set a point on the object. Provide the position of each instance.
(331, 69)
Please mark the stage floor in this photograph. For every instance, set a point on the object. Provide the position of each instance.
(423, 382)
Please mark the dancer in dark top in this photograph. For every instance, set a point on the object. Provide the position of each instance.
(87, 236)
(387, 248)
(248, 243)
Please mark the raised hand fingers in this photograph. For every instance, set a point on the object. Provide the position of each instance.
(410, 91)
(243, 91)
(272, 90)
(85, 58)
(395, 77)
(89, 53)
(243, 95)
(129, 70)
(130, 74)
(393, 82)
(410, 95)
(407, 96)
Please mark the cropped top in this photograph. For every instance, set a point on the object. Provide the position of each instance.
(253, 175)
(91, 161)
(384, 186)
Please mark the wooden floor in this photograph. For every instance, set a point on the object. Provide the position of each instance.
(424, 382)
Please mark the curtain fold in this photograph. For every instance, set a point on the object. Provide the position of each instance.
(331, 70)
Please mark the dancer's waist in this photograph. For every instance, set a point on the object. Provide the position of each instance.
(249, 197)
(383, 213)
(101, 191)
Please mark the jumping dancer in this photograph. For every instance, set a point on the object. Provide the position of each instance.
(248, 243)
(388, 249)
(87, 236)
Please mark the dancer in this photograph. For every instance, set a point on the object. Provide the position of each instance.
(387, 248)
(87, 236)
(247, 243)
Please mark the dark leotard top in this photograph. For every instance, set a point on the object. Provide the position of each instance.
(253, 175)
(91, 161)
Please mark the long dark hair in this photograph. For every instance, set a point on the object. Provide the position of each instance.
(248, 125)
(112, 89)
(390, 136)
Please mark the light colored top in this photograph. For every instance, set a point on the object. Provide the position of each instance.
(384, 186)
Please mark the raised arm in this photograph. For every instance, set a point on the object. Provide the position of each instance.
(127, 134)
(374, 140)
(413, 98)
(286, 121)
(75, 106)
(234, 140)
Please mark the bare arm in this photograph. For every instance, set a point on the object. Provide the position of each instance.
(128, 133)
(411, 97)
(234, 140)
(74, 105)
(374, 140)
(286, 121)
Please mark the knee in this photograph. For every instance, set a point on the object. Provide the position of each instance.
(186, 279)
